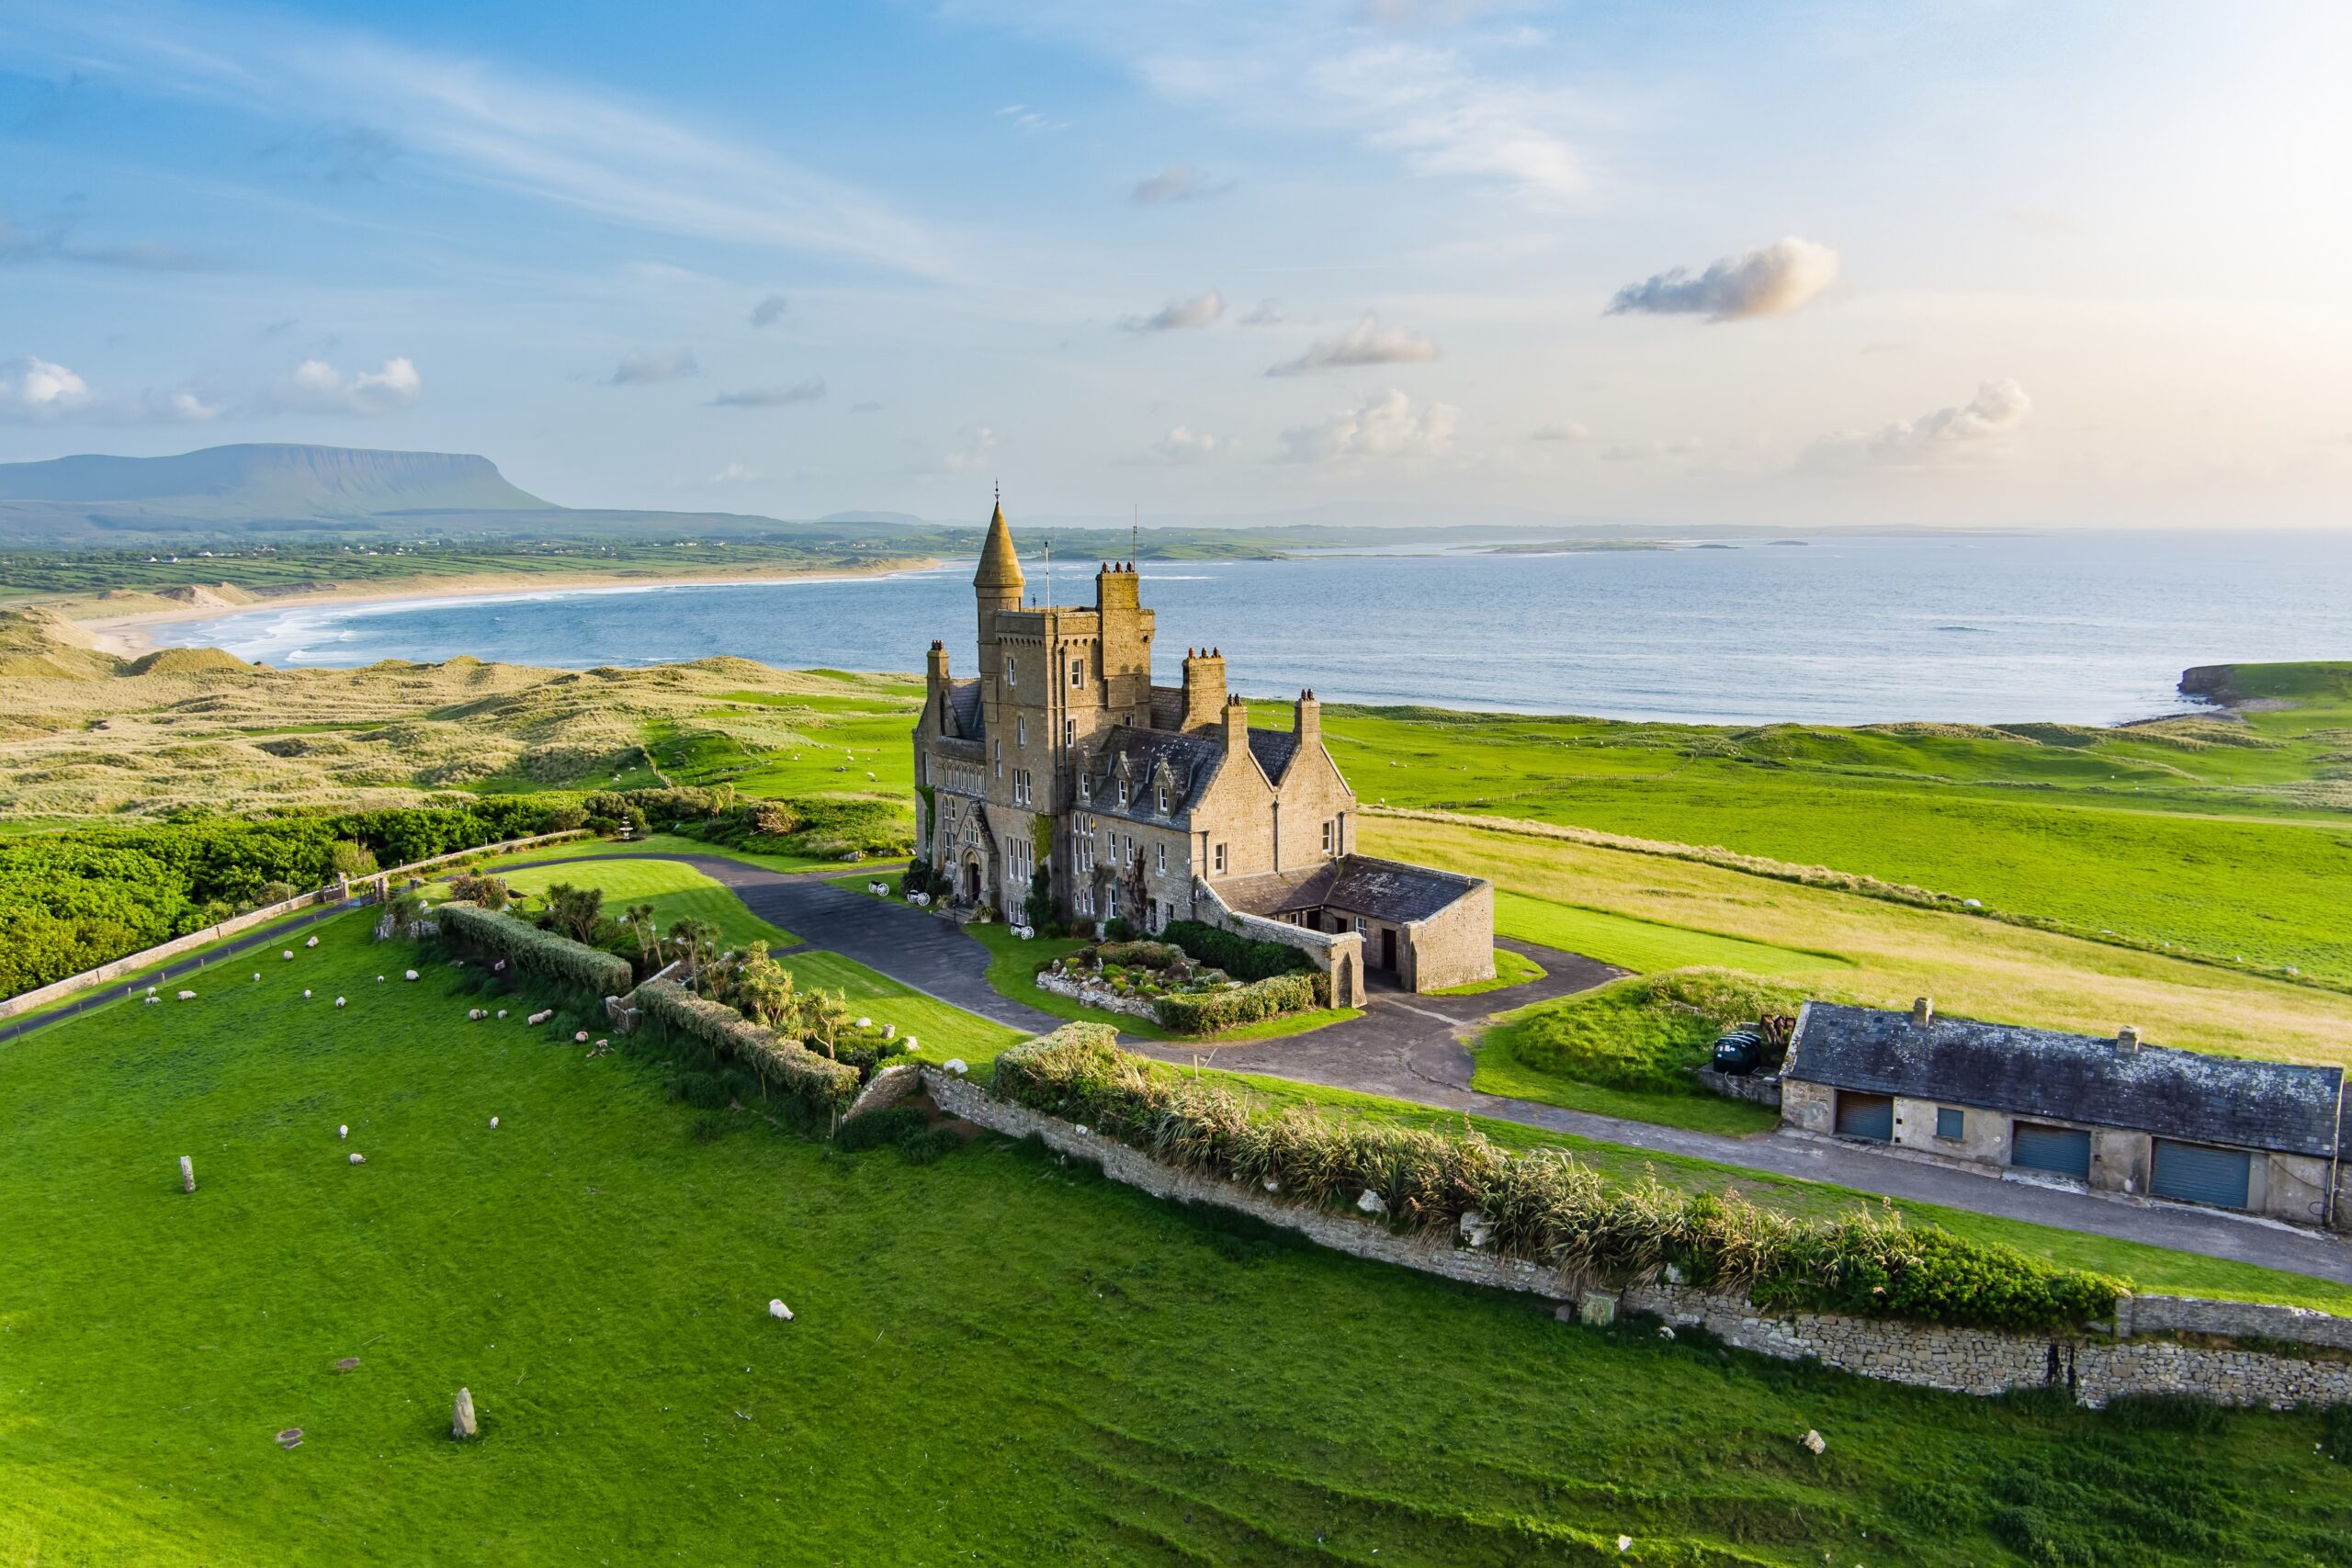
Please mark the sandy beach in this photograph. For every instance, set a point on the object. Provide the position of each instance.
(128, 635)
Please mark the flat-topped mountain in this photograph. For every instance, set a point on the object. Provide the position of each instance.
(318, 492)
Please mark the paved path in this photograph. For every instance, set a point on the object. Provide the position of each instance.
(1408, 1047)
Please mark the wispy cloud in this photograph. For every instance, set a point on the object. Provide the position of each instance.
(732, 474)
(1971, 432)
(56, 244)
(1784, 277)
(1179, 314)
(769, 310)
(1179, 182)
(805, 391)
(1384, 424)
(1184, 446)
(316, 386)
(1027, 118)
(584, 146)
(644, 366)
(1269, 313)
(1562, 429)
(1366, 343)
(35, 388)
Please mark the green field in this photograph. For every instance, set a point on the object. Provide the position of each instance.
(2222, 838)
(1644, 945)
(676, 892)
(996, 1358)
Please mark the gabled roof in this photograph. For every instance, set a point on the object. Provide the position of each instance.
(1273, 748)
(1357, 884)
(2072, 1078)
(963, 703)
(1194, 759)
(1168, 707)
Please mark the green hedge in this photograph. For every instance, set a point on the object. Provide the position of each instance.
(1239, 956)
(1545, 1207)
(543, 956)
(822, 1084)
(1205, 1012)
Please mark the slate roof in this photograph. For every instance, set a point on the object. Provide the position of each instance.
(1194, 759)
(2073, 1077)
(963, 700)
(1273, 748)
(1168, 707)
(1357, 884)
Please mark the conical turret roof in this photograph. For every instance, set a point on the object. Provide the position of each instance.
(1000, 563)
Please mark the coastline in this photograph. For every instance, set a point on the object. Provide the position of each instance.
(126, 636)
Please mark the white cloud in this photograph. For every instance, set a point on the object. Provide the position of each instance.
(1366, 343)
(1177, 314)
(1783, 276)
(977, 452)
(1179, 182)
(768, 311)
(581, 145)
(1030, 120)
(1184, 445)
(1565, 430)
(1269, 313)
(805, 391)
(316, 386)
(34, 388)
(1635, 451)
(1383, 425)
(732, 474)
(642, 366)
(1973, 430)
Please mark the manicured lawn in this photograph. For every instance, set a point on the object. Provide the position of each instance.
(1013, 972)
(1510, 969)
(676, 892)
(996, 1358)
(942, 1028)
(1644, 946)
(1499, 1071)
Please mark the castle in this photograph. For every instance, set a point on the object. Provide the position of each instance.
(1151, 803)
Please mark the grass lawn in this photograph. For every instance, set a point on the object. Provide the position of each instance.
(676, 892)
(1510, 969)
(1642, 945)
(1499, 1071)
(679, 844)
(1974, 968)
(942, 1030)
(996, 1358)
(1013, 972)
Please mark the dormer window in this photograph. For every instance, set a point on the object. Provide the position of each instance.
(1085, 787)
(1123, 792)
(1160, 798)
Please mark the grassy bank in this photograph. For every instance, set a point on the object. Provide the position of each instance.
(994, 1358)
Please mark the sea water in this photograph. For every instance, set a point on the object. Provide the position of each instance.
(2085, 627)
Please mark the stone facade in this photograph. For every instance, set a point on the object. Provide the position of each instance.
(2094, 1367)
(1062, 757)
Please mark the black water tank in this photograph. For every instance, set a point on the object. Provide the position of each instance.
(1739, 1052)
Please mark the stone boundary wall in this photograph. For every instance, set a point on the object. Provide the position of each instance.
(1757, 1088)
(1326, 949)
(2093, 1367)
(340, 892)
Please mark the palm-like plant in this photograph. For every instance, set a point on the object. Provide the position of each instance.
(638, 918)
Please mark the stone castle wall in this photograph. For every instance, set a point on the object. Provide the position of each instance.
(2093, 1367)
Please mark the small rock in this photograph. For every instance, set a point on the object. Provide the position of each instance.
(1624, 1543)
(777, 1310)
(1813, 1441)
(1666, 1331)
(1372, 1202)
(1271, 1185)
(461, 1419)
(290, 1439)
(953, 1064)
(187, 1174)
(358, 1158)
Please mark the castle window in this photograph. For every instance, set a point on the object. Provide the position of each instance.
(1163, 857)
(1330, 834)
(1069, 733)
(1123, 792)
(1220, 860)
(1360, 925)
(1021, 731)
(1078, 671)
(1085, 787)
(1161, 796)
(1011, 674)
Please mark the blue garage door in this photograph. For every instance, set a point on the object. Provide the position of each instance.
(2061, 1151)
(2195, 1173)
(1866, 1116)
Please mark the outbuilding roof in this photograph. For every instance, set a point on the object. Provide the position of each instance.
(1357, 884)
(2187, 1095)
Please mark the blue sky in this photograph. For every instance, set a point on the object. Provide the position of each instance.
(1931, 263)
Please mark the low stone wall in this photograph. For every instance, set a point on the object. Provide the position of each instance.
(1094, 994)
(2093, 1367)
(1757, 1088)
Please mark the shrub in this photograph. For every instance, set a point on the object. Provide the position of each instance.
(1147, 954)
(822, 1085)
(1242, 957)
(917, 879)
(1205, 1012)
(546, 956)
(1545, 1207)
(877, 1129)
(1118, 930)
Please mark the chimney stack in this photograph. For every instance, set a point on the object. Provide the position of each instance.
(935, 672)
(1204, 692)
(2127, 1040)
(1923, 1013)
(1237, 724)
(1307, 721)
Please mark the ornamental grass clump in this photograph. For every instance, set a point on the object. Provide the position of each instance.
(1546, 1207)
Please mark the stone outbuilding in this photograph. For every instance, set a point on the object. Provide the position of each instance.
(2111, 1113)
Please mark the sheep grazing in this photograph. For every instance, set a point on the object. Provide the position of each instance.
(256, 974)
(358, 1158)
(380, 979)
(306, 990)
(410, 975)
(344, 1131)
(781, 1313)
(475, 1015)
(338, 1001)
(312, 943)
(493, 1124)
(540, 1017)
(502, 1012)
(580, 1038)
(187, 996)
(866, 1023)
(288, 955)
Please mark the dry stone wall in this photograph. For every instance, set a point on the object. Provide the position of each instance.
(2093, 1367)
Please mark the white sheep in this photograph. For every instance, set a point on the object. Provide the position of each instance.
(187, 996)
(781, 1313)
(580, 1038)
(288, 955)
(380, 979)
(410, 975)
(475, 1015)
(256, 974)
(358, 1158)
(306, 991)
(540, 1017)
(312, 943)
(343, 1130)
(338, 1001)
(502, 1012)
(493, 1124)
(866, 1023)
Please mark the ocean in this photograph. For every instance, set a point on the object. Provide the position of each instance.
(2078, 628)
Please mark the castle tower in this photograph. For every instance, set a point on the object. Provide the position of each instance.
(997, 585)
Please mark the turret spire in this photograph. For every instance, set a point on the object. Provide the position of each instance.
(1000, 562)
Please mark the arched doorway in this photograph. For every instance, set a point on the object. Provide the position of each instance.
(972, 881)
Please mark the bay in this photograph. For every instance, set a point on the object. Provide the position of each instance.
(2078, 628)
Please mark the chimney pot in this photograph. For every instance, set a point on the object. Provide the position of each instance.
(1923, 1012)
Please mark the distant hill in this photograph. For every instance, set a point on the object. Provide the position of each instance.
(322, 493)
